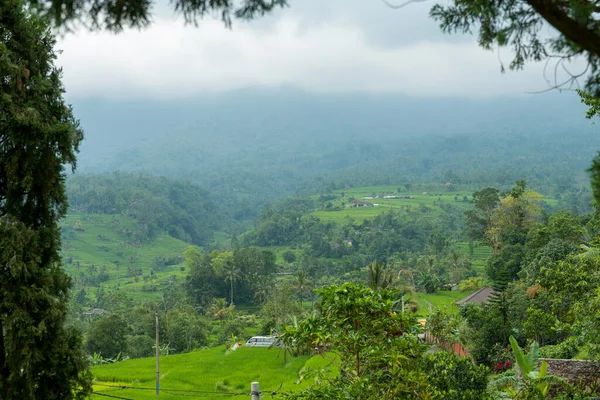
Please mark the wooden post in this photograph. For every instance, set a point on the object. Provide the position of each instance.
(157, 359)
(255, 391)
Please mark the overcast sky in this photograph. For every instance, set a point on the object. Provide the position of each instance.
(315, 45)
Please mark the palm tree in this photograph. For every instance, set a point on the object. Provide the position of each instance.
(379, 277)
(219, 310)
(232, 274)
(264, 288)
(457, 265)
(303, 284)
(588, 252)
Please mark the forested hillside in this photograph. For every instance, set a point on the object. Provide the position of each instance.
(250, 147)
(183, 210)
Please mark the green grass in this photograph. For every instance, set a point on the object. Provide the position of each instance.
(423, 195)
(358, 214)
(211, 371)
(103, 241)
(440, 299)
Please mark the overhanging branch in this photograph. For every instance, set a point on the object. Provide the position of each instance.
(581, 35)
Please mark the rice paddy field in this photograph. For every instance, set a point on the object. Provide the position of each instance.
(424, 198)
(92, 242)
(204, 374)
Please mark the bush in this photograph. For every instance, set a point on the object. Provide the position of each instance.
(140, 346)
(235, 327)
(565, 350)
(456, 378)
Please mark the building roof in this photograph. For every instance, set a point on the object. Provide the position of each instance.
(480, 296)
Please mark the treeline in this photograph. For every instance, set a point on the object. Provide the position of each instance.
(182, 209)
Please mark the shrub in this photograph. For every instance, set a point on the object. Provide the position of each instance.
(456, 378)
(565, 350)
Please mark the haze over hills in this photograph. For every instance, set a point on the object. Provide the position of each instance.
(248, 147)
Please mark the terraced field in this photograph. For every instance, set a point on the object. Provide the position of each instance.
(93, 242)
(210, 373)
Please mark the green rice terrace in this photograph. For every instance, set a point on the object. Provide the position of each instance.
(210, 373)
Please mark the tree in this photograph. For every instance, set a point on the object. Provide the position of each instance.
(379, 276)
(224, 266)
(114, 16)
(458, 265)
(289, 256)
(374, 347)
(219, 310)
(516, 214)
(479, 219)
(201, 279)
(302, 284)
(40, 358)
(108, 336)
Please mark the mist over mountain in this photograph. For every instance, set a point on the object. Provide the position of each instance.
(251, 146)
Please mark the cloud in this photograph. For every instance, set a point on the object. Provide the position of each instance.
(332, 52)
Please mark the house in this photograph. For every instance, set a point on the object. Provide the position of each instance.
(361, 204)
(480, 296)
(94, 311)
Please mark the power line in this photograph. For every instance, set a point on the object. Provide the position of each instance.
(175, 390)
(214, 396)
(109, 395)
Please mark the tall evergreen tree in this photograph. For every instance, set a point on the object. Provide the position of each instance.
(40, 358)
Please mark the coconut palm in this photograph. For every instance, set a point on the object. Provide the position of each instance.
(219, 310)
(232, 274)
(457, 265)
(302, 284)
(264, 288)
(379, 277)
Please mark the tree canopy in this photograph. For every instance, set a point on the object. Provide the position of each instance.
(39, 357)
(117, 15)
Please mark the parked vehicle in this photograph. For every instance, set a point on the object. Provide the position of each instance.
(263, 341)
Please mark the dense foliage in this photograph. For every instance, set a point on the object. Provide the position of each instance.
(377, 351)
(40, 358)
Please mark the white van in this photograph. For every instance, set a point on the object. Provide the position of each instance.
(263, 341)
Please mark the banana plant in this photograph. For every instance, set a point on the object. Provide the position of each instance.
(536, 380)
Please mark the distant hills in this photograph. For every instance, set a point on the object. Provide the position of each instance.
(249, 147)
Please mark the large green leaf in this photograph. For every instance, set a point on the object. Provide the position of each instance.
(522, 361)
(533, 355)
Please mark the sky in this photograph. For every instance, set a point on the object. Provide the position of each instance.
(319, 46)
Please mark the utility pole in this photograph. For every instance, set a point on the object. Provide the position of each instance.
(157, 358)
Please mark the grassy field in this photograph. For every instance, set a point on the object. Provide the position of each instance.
(423, 195)
(204, 374)
(440, 299)
(92, 242)
(418, 202)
